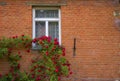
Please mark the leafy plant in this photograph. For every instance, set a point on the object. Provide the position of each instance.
(49, 65)
(7, 49)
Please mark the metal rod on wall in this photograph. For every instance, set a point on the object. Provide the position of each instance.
(74, 47)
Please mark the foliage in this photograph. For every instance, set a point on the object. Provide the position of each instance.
(50, 65)
(8, 44)
(7, 49)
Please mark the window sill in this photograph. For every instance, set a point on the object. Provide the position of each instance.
(36, 48)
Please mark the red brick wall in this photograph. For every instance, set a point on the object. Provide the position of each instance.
(15, 18)
(90, 22)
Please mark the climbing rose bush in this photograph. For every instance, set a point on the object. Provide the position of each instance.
(10, 48)
(49, 65)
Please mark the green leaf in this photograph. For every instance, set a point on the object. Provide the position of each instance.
(65, 70)
(24, 77)
(14, 58)
(59, 51)
(53, 78)
(3, 51)
(62, 60)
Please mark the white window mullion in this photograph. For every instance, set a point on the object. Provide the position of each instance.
(33, 28)
(59, 24)
(46, 19)
(46, 28)
(33, 23)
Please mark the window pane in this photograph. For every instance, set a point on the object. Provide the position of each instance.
(46, 13)
(40, 28)
(53, 30)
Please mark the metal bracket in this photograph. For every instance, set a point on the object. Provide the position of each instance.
(74, 47)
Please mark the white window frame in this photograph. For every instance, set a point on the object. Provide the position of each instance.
(46, 22)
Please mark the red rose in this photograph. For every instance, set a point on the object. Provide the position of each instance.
(47, 53)
(9, 50)
(33, 61)
(6, 74)
(13, 37)
(28, 51)
(63, 54)
(55, 39)
(56, 43)
(34, 40)
(38, 78)
(16, 75)
(33, 75)
(26, 46)
(69, 68)
(0, 75)
(55, 62)
(68, 64)
(46, 46)
(18, 52)
(41, 66)
(53, 49)
(59, 78)
(68, 76)
(11, 69)
(56, 70)
(63, 64)
(71, 72)
(22, 35)
(63, 49)
(32, 70)
(44, 76)
(49, 38)
(18, 66)
(39, 70)
(52, 58)
(49, 69)
(20, 56)
(35, 67)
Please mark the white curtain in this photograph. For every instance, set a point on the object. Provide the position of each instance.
(53, 30)
(40, 28)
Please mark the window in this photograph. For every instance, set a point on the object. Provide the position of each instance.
(46, 22)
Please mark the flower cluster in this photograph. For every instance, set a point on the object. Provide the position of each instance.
(51, 64)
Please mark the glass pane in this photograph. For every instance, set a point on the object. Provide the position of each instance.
(53, 30)
(40, 28)
(46, 13)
